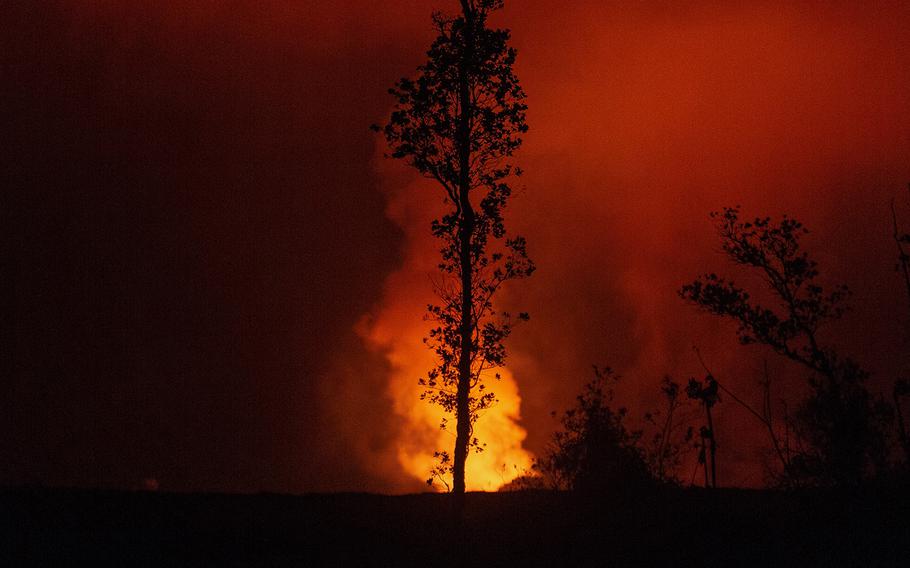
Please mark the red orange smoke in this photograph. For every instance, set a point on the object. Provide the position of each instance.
(215, 159)
(397, 329)
(643, 119)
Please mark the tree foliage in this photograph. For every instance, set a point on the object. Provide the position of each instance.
(424, 126)
(839, 421)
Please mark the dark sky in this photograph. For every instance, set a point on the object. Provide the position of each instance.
(201, 239)
(194, 230)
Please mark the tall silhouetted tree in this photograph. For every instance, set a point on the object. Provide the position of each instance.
(458, 123)
(839, 420)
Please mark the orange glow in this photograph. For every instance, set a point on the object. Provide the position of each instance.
(502, 460)
(396, 328)
(642, 121)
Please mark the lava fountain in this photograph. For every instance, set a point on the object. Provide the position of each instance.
(396, 328)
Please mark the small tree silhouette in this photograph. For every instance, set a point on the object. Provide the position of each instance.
(664, 454)
(706, 393)
(458, 123)
(595, 452)
(766, 417)
(838, 420)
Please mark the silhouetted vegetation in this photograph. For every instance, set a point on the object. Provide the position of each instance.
(901, 240)
(595, 452)
(706, 394)
(780, 444)
(901, 388)
(458, 123)
(839, 435)
(664, 453)
(840, 426)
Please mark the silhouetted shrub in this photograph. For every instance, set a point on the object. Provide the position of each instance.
(595, 452)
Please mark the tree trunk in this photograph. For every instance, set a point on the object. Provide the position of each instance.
(901, 427)
(466, 231)
(713, 447)
(704, 460)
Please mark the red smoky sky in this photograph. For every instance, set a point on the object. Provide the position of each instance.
(198, 221)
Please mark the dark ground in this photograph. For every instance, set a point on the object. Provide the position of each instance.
(671, 528)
